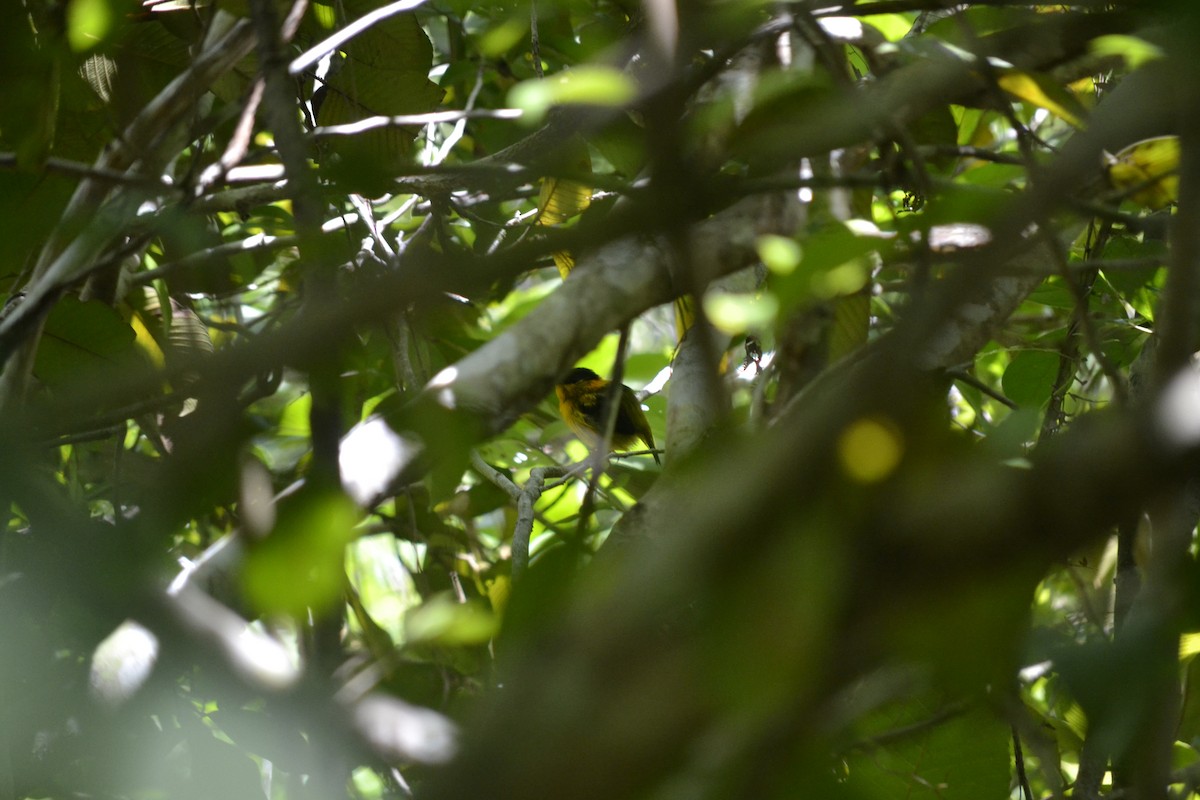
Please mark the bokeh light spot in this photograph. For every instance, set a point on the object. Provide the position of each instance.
(869, 449)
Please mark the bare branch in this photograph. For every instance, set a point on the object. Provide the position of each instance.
(326, 47)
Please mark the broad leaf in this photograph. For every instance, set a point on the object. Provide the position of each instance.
(80, 342)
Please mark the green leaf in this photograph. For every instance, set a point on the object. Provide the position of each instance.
(783, 104)
(1129, 281)
(503, 36)
(1053, 293)
(444, 620)
(894, 27)
(589, 85)
(622, 143)
(851, 324)
(832, 263)
(780, 254)
(948, 755)
(1030, 376)
(299, 565)
(80, 341)
(361, 91)
(396, 44)
(1014, 433)
(961, 203)
(385, 73)
(1135, 51)
(89, 22)
(738, 313)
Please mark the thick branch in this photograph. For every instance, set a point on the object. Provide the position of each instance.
(610, 286)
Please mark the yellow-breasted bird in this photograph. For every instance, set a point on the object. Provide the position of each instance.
(581, 397)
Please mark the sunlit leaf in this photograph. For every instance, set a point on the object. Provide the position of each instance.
(892, 26)
(89, 22)
(445, 621)
(560, 199)
(146, 341)
(1134, 50)
(685, 314)
(1148, 171)
(738, 313)
(779, 254)
(1040, 91)
(588, 85)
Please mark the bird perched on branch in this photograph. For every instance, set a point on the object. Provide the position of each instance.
(581, 401)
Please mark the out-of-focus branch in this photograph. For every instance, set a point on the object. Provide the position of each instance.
(308, 207)
(768, 496)
(70, 253)
(63, 166)
(1156, 617)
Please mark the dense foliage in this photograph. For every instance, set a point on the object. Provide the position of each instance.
(909, 290)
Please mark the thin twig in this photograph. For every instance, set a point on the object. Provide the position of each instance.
(901, 6)
(907, 731)
(1081, 289)
(523, 529)
(95, 172)
(239, 141)
(409, 120)
(599, 456)
(367, 214)
(525, 499)
(460, 126)
(535, 42)
(968, 151)
(69, 254)
(336, 41)
(258, 243)
(1019, 763)
(965, 377)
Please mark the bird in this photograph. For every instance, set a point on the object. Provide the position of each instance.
(581, 398)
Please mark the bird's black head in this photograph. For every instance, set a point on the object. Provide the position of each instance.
(578, 375)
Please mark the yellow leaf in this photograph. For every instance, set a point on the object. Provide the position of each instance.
(1148, 171)
(685, 314)
(565, 263)
(498, 590)
(560, 199)
(1189, 645)
(1043, 93)
(851, 321)
(145, 341)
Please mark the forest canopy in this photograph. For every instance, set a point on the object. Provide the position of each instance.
(886, 313)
